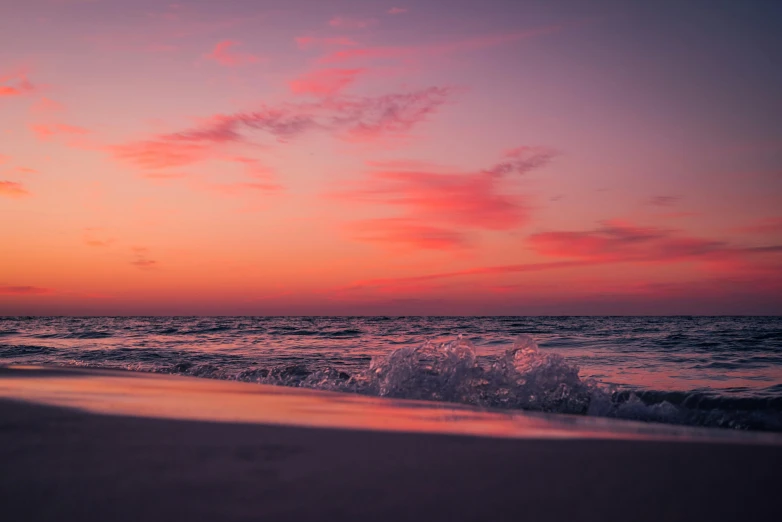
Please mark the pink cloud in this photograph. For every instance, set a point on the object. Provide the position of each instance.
(397, 10)
(445, 205)
(254, 168)
(15, 85)
(347, 117)
(521, 160)
(223, 54)
(389, 115)
(406, 233)
(156, 155)
(3, 158)
(416, 281)
(620, 241)
(744, 278)
(12, 189)
(324, 82)
(262, 179)
(345, 22)
(616, 241)
(26, 170)
(45, 132)
(471, 200)
(24, 290)
(161, 153)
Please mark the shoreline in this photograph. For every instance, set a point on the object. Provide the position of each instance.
(65, 464)
(171, 396)
(66, 457)
(167, 396)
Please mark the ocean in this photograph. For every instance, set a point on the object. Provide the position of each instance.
(706, 371)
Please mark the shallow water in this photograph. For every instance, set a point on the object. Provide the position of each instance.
(723, 371)
(184, 398)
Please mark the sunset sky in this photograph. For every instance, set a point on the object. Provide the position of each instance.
(397, 158)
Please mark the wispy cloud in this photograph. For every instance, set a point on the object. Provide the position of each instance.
(389, 115)
(397, 10)
(439, 209)
(324, 82)
(224, 54)
(141, 259)
(24, 290)
(15, 84)
(522, 160)
(12, 189)
(406, 233)
(347, 117)
(616, 241)
(253, 167)
(161, 153)
(47, 131)
(417, 281)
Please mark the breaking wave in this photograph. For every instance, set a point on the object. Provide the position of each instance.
(522, 378)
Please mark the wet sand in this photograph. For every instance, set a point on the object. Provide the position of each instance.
(82, 445)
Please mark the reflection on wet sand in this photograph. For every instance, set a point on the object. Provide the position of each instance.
(177, 397)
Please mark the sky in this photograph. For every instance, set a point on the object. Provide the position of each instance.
(302, 157)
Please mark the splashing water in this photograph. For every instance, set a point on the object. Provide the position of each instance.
(522, 378)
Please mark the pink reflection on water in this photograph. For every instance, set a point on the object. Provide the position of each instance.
(185, 398)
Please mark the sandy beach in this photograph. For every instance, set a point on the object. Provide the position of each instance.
(99, 445)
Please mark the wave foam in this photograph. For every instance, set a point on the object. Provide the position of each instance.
(522, 378)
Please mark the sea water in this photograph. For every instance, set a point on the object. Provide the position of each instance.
(706, 371)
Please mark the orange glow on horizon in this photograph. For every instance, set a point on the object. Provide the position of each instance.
(244, 159)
